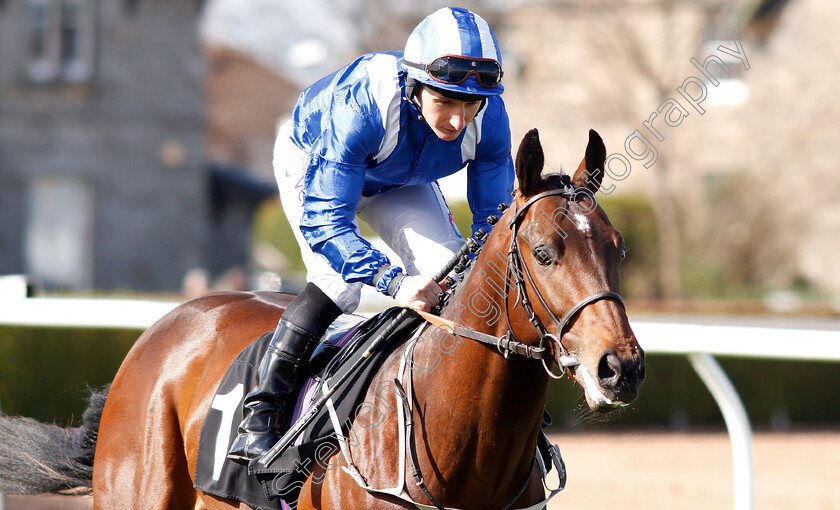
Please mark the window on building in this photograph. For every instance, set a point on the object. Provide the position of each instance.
(59, 232)
(61, 40)
(42, 45)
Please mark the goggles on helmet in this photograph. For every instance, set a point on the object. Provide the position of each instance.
(455, 70)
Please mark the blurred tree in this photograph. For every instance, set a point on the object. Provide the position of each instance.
(646, 44)
(633, 216)
(737, 259)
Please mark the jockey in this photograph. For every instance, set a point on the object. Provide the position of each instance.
(371, 140)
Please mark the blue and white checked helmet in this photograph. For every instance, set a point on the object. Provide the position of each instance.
(474, 66)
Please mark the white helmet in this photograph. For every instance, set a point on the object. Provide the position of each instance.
(454, 50)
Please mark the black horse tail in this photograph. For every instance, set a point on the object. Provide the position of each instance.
(38, 458)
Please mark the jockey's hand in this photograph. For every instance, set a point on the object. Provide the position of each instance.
(418, 293)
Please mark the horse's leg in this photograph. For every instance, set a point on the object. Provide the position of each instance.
(140, 461)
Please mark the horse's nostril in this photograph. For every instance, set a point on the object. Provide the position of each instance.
(609, 368)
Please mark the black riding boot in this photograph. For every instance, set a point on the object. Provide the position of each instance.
(276, 377)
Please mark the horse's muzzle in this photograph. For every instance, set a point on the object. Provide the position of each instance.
(619, 377)
(615, 381)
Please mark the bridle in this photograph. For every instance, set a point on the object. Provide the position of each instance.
(519, 273)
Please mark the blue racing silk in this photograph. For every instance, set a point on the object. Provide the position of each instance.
(363, 137)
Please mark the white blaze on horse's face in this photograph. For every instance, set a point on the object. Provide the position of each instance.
(582, 222)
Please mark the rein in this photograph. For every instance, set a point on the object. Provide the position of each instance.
(504, 344)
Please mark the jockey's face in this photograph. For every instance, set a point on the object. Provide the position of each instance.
(447, 117)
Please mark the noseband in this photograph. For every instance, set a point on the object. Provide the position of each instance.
(518, 272)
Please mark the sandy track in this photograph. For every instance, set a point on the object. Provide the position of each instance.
(632, 471)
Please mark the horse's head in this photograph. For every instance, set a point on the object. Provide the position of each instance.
(565, 257)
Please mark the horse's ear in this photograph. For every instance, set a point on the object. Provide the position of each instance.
(529, 163)
(590, 172)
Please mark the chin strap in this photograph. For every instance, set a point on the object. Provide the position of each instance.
(411, 87)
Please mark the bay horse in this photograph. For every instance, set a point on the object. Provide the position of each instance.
(476, 412)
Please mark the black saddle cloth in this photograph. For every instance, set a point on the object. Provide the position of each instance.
(267, 488)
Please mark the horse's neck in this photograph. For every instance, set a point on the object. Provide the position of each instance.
(496, 402)
(480, 305)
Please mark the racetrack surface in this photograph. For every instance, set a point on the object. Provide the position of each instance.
(688, 471)
(663, 470)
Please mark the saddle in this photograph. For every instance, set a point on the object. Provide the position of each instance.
(347, 338)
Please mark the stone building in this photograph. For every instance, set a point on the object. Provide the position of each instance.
(104, 179)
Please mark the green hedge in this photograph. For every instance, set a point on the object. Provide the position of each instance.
(45, 373)
(632, 216)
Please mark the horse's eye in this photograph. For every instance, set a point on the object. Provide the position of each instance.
(542, 255)
(623, 252)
